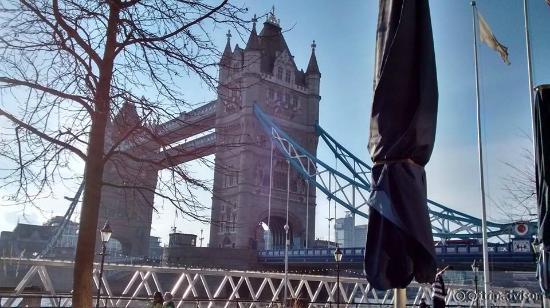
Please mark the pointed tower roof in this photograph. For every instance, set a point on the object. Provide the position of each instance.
(272, 19)
(253, 41)
(127, 117)
(272, 42)
(312, 67)
(226, 56)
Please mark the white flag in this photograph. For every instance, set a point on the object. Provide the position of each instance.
(486, 36)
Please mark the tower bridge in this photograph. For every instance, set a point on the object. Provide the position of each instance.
(263, 130)
(263, 73)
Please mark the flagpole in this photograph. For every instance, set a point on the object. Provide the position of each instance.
(529, 67)
(481, 179)
(529, 74)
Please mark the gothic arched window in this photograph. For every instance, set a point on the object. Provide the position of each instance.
(228, 223)
(280, 174)
(295, 103)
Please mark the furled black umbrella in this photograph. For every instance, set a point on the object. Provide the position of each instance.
(542, 170)
(399, 243)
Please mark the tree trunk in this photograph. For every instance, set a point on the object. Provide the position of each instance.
(85, 249)
(93, 176)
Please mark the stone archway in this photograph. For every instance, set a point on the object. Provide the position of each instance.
(226, 242)
(277, 228)
(114, 247)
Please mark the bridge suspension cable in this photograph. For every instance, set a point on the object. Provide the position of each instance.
(350, 188)
(64, 222)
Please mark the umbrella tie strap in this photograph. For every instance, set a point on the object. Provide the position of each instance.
(393, 161)
(385, 163)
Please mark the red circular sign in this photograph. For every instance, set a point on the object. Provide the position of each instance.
(521, 229)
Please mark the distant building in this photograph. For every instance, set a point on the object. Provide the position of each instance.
(69, 236)
(347, 234)
(179, 246)
(318, 243)
(155, 250)
(25, 240)
(182, 240)
(28, 240)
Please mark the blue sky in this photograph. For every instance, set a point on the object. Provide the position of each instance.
(345, 35)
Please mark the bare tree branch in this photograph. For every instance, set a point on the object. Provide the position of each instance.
(73, 33)
(42, 135)
(74, 68)
(77, 98)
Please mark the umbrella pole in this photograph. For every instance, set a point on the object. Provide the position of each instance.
(545, 300)
(481, 179)
(399, 298)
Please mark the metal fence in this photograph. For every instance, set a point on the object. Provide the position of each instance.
(133, 286)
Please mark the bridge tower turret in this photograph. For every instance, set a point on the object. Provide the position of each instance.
(225, 61)
(313, 75)
(253, 51)
(264, 73)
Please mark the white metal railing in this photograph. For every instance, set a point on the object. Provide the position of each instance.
(128, 285)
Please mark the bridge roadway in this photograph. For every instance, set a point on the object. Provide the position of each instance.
(514, 256)
(502, 257)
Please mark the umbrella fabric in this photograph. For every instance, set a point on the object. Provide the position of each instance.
(399, 244)
(542, 170)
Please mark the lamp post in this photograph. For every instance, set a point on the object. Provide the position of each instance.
(287, 243)
(105, 236)
(475, 269)
(267, 237)
(338, 257)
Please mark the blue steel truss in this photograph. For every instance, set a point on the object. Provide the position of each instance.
(350, 188)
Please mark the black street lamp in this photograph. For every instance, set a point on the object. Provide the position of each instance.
(475, 269)
(105, 236)
(338, 257)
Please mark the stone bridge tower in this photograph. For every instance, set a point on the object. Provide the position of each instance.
(128, 209)
(262, 73)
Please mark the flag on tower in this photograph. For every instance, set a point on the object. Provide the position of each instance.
(487, 36)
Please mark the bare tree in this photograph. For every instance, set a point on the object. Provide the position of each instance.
(68, 66)
(519, 186)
